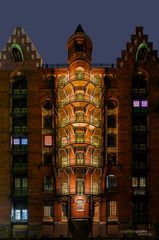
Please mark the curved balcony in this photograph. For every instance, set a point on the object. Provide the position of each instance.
(82, 140)
(94, 161)
(80, 119)
(84, 77)
(79, 98)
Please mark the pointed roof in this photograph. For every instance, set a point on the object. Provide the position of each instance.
(79, 29)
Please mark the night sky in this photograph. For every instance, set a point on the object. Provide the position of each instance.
(109, 23)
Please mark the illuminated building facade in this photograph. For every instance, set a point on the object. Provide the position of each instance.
(78, 142)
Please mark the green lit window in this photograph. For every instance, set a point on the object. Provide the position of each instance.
(17, 53)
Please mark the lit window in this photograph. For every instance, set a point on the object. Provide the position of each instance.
(136, 103)
(80, 205)
(142, 182)
(48, 140)
(134, 182)
(24, 141)
(64, 188)
(95, 187)
(139, 182)
(16, 141)
(144, 103)
(24, 214)
(112, 210)
(17, 214)
(48, 214)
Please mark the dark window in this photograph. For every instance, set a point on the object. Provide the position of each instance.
(19, 83)
(111, 121)
(111, 182)
(111, 140)
(111, 158)
(48, 159)
(19, 103)
(79, 47)
(139, 212)
(17, 55)
(47, 122)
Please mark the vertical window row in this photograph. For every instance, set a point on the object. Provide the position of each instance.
(112, 131)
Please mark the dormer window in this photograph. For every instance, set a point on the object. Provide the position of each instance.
(17, 53)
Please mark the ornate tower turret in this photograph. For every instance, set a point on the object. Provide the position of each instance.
(79, 46)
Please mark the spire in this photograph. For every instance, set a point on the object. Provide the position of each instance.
(79, 29)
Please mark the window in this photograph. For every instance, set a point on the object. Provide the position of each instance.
(48, 183)
(19, 141)
(111, 182)
(19, 215)
(111, 140)
(48, 140)
(17, 53)
(79, 47)
(111, 121)
(48, 158)
(80, 205)
(21, 182)
(140, 103)
(64, 187)
(79, 158)
(48, 213)
(111, 158)
(24, 141)
(79, 75)
(139, 182)
(112, 211)
(80, 137)
(47, 121)
(80, 186)
(64, 213)
(95, 187)
(139, 211)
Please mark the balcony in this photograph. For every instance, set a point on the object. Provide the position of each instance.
(94, 161)
(79, 98)
(19, 91)
(85, 77)
(20, 192)
(19, 129)
(84, 140)
(19, 110)
(85, 191)
(82, 119)
(20, 167)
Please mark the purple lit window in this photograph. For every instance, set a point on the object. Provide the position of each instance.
(136, 103)
(144, 103)
(16, 141)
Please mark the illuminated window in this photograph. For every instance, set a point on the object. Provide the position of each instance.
(144, 103)
(79, 75)
(80, 186)
(64, 187)
(16, 141)
(20, 215)
(136, 103)
(48, 140)
(17, 53)
(80, 137)
(80, 205)
(112, 210)
(48, 183)
(24, 141)
(64, 213)
(95, 187)
(48, 213)
(139, 182)
(80, 158)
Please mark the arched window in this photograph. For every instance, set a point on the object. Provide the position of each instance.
(141, 52)
(79, 73)
(17, 53)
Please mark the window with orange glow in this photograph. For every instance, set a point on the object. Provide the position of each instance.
(48, 140)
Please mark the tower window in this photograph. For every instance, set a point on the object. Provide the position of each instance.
(79, 47)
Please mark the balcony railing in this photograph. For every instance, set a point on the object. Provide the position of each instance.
(79, 98)
(84, 140)
(19, 129)
(81, 119)
(19, 110)
(17, 167)
(19, 91)
(92, 162)
(18, 192)
(86, 77)
(86, 191)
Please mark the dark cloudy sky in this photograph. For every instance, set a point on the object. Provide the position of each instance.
(109, 23)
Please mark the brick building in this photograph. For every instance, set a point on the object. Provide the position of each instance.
(78, 141)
